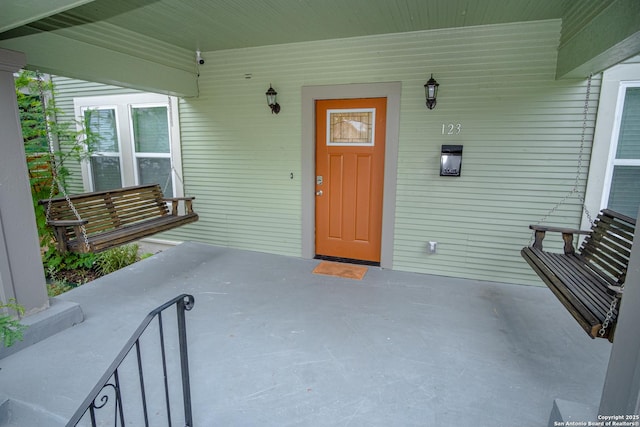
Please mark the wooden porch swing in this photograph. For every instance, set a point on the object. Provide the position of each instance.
(97, 221)
(94, 222)
(590, 282)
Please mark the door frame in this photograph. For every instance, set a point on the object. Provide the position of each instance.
(389, 90)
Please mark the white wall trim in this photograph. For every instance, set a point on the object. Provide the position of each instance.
(613, 82)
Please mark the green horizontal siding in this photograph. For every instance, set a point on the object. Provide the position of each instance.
(521, 131)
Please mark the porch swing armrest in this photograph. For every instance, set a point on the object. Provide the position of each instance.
(60, 231)
(558, 229)
(188, 204)
(67, 222)
(567, 236)
(618, 290)
(171, 199)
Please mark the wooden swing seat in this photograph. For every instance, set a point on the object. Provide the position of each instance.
(114, 217)
(588, 281)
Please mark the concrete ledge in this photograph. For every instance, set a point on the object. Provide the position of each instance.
(564, 411)
(18, 414)
(59, 316)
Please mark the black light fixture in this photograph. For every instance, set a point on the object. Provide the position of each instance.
(271, 100)
(431, 92)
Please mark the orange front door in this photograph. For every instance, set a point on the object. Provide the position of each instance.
(350, 139)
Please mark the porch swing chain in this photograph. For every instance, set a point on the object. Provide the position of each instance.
(581, 153)
(612, 307)
(54, 167)
(609, 317)
(576, 183)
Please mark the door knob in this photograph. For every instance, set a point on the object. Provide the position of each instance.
(319, 193)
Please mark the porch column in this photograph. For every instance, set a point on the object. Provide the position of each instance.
(21, 273)
(621, 392)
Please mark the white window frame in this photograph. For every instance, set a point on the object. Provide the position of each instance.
(89, 184)
(135, 155)
(128, 157)
(605, 141)
(622, 92)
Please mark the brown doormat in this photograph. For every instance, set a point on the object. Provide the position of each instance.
(338, 269)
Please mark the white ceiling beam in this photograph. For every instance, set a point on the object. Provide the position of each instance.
(55, 54)
(610, 38)
(18, 13)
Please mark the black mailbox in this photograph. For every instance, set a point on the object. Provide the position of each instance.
(450, 160)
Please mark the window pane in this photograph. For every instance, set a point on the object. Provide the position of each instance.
(150, 129)
(350, 127)
(102, 128)
(156, 171)
(105, 171)
(624, 196)
(629, 139)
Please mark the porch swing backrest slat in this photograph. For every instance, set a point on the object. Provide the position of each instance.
(114, 216)
(608, 247)
(107, 210)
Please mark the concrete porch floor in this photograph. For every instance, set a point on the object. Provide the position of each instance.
(271, 344)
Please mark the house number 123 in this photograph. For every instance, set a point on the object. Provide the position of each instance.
(451, 128)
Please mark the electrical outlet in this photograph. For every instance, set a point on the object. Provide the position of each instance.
(433, 247)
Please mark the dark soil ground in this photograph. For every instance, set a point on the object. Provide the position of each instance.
(78, 275)
(65, 280)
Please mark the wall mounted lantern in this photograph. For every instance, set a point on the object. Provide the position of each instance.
(431, 92)
(271, 100)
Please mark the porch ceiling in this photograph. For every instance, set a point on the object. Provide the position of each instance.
(120, 41)
(226, 24)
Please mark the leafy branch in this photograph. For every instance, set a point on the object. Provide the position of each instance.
(11, 329)
(49, 143)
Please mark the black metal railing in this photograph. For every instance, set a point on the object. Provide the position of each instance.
(125, 396)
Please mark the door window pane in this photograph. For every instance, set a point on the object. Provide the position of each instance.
(105, 171)
(629, 137)
(156, 171)
(150, 129)
(351, 127)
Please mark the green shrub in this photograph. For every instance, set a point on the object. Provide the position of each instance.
(11, 329)
(54, 261)
(59, 287)
(116, 258)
